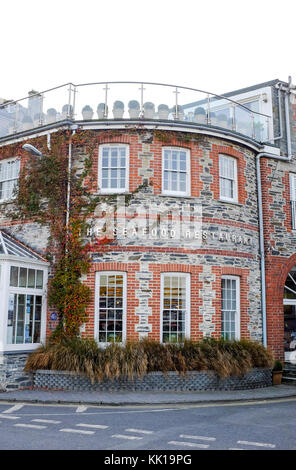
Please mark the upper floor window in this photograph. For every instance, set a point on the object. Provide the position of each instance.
(9, 174)
(230, 309)
(175, 307)
(228, 178)
(176, 171)
(293, 199)
(113, 168)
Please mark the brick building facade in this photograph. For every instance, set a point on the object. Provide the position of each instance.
(212, 279)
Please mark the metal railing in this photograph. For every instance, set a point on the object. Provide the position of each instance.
(131, 101)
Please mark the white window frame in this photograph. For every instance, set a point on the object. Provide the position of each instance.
(97, 305)
(188, 173)
(188, 303)
(5, 161)
(7, 289)
(237, 313)
(235, 180)
(293, 199)
(113, 190)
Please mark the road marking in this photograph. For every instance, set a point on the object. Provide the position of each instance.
(140, 431)
(122, 436)
(78, 431)
(95, 426)
(33, 426)
(202, 438)
(235, 448)
(188, 444)
(9, 417)
(158, 411)
(258, 444)
(49, 421)
(81, 409)
(13, 408)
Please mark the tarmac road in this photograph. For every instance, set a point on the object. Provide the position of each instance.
(264, 425)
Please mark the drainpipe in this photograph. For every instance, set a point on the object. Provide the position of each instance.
(260, 207)
(69, 185)
(261, 236)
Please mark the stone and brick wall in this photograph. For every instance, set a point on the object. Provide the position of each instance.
(229, 244)
(12, 375)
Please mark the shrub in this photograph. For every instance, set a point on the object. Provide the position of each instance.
(136, 358)
(277, 366)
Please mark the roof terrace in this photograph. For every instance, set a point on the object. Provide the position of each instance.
(126, 102)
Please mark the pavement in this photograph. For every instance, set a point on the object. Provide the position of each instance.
(146, 398)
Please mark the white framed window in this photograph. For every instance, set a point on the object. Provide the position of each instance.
(9, 174)
(26, 306)
(110, 320)
(230, 307)
(228, 178)
(175, 307)
(113, 168)
(293, 199)
(175, 171)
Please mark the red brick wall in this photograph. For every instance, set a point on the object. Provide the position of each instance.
(277, 270)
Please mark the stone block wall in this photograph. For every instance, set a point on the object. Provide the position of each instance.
(12, 375)
(154, 381)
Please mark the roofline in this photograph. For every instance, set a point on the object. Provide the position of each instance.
(24, 246)
(254, 87)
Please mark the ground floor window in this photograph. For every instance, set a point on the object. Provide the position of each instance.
(290, 314)
(175, 307)
(111, 307)
(230, 313)
(24, 318)
(25, 300)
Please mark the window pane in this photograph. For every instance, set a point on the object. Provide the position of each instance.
(174, 170)
(229, 308)
(14, 271)
(31, 278)
(23, 277)
(174, 312)
(113, 158)
(39, 279)
(227, 176)
(24, 318)
(110, 298)
(9, 178)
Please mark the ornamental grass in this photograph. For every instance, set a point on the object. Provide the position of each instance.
(136, 358)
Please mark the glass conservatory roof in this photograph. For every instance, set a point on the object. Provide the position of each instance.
(11, 246)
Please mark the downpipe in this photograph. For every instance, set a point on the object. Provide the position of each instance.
(260, 210)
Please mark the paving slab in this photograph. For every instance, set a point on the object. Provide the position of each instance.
(146, 398)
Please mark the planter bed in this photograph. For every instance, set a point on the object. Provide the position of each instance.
(154, 381)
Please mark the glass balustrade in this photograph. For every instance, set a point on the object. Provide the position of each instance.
(131, 101)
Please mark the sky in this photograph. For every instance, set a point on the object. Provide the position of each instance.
(212, 45)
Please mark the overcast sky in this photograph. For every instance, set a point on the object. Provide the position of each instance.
(212, 45)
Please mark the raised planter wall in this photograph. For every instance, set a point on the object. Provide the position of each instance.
(154, 381)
